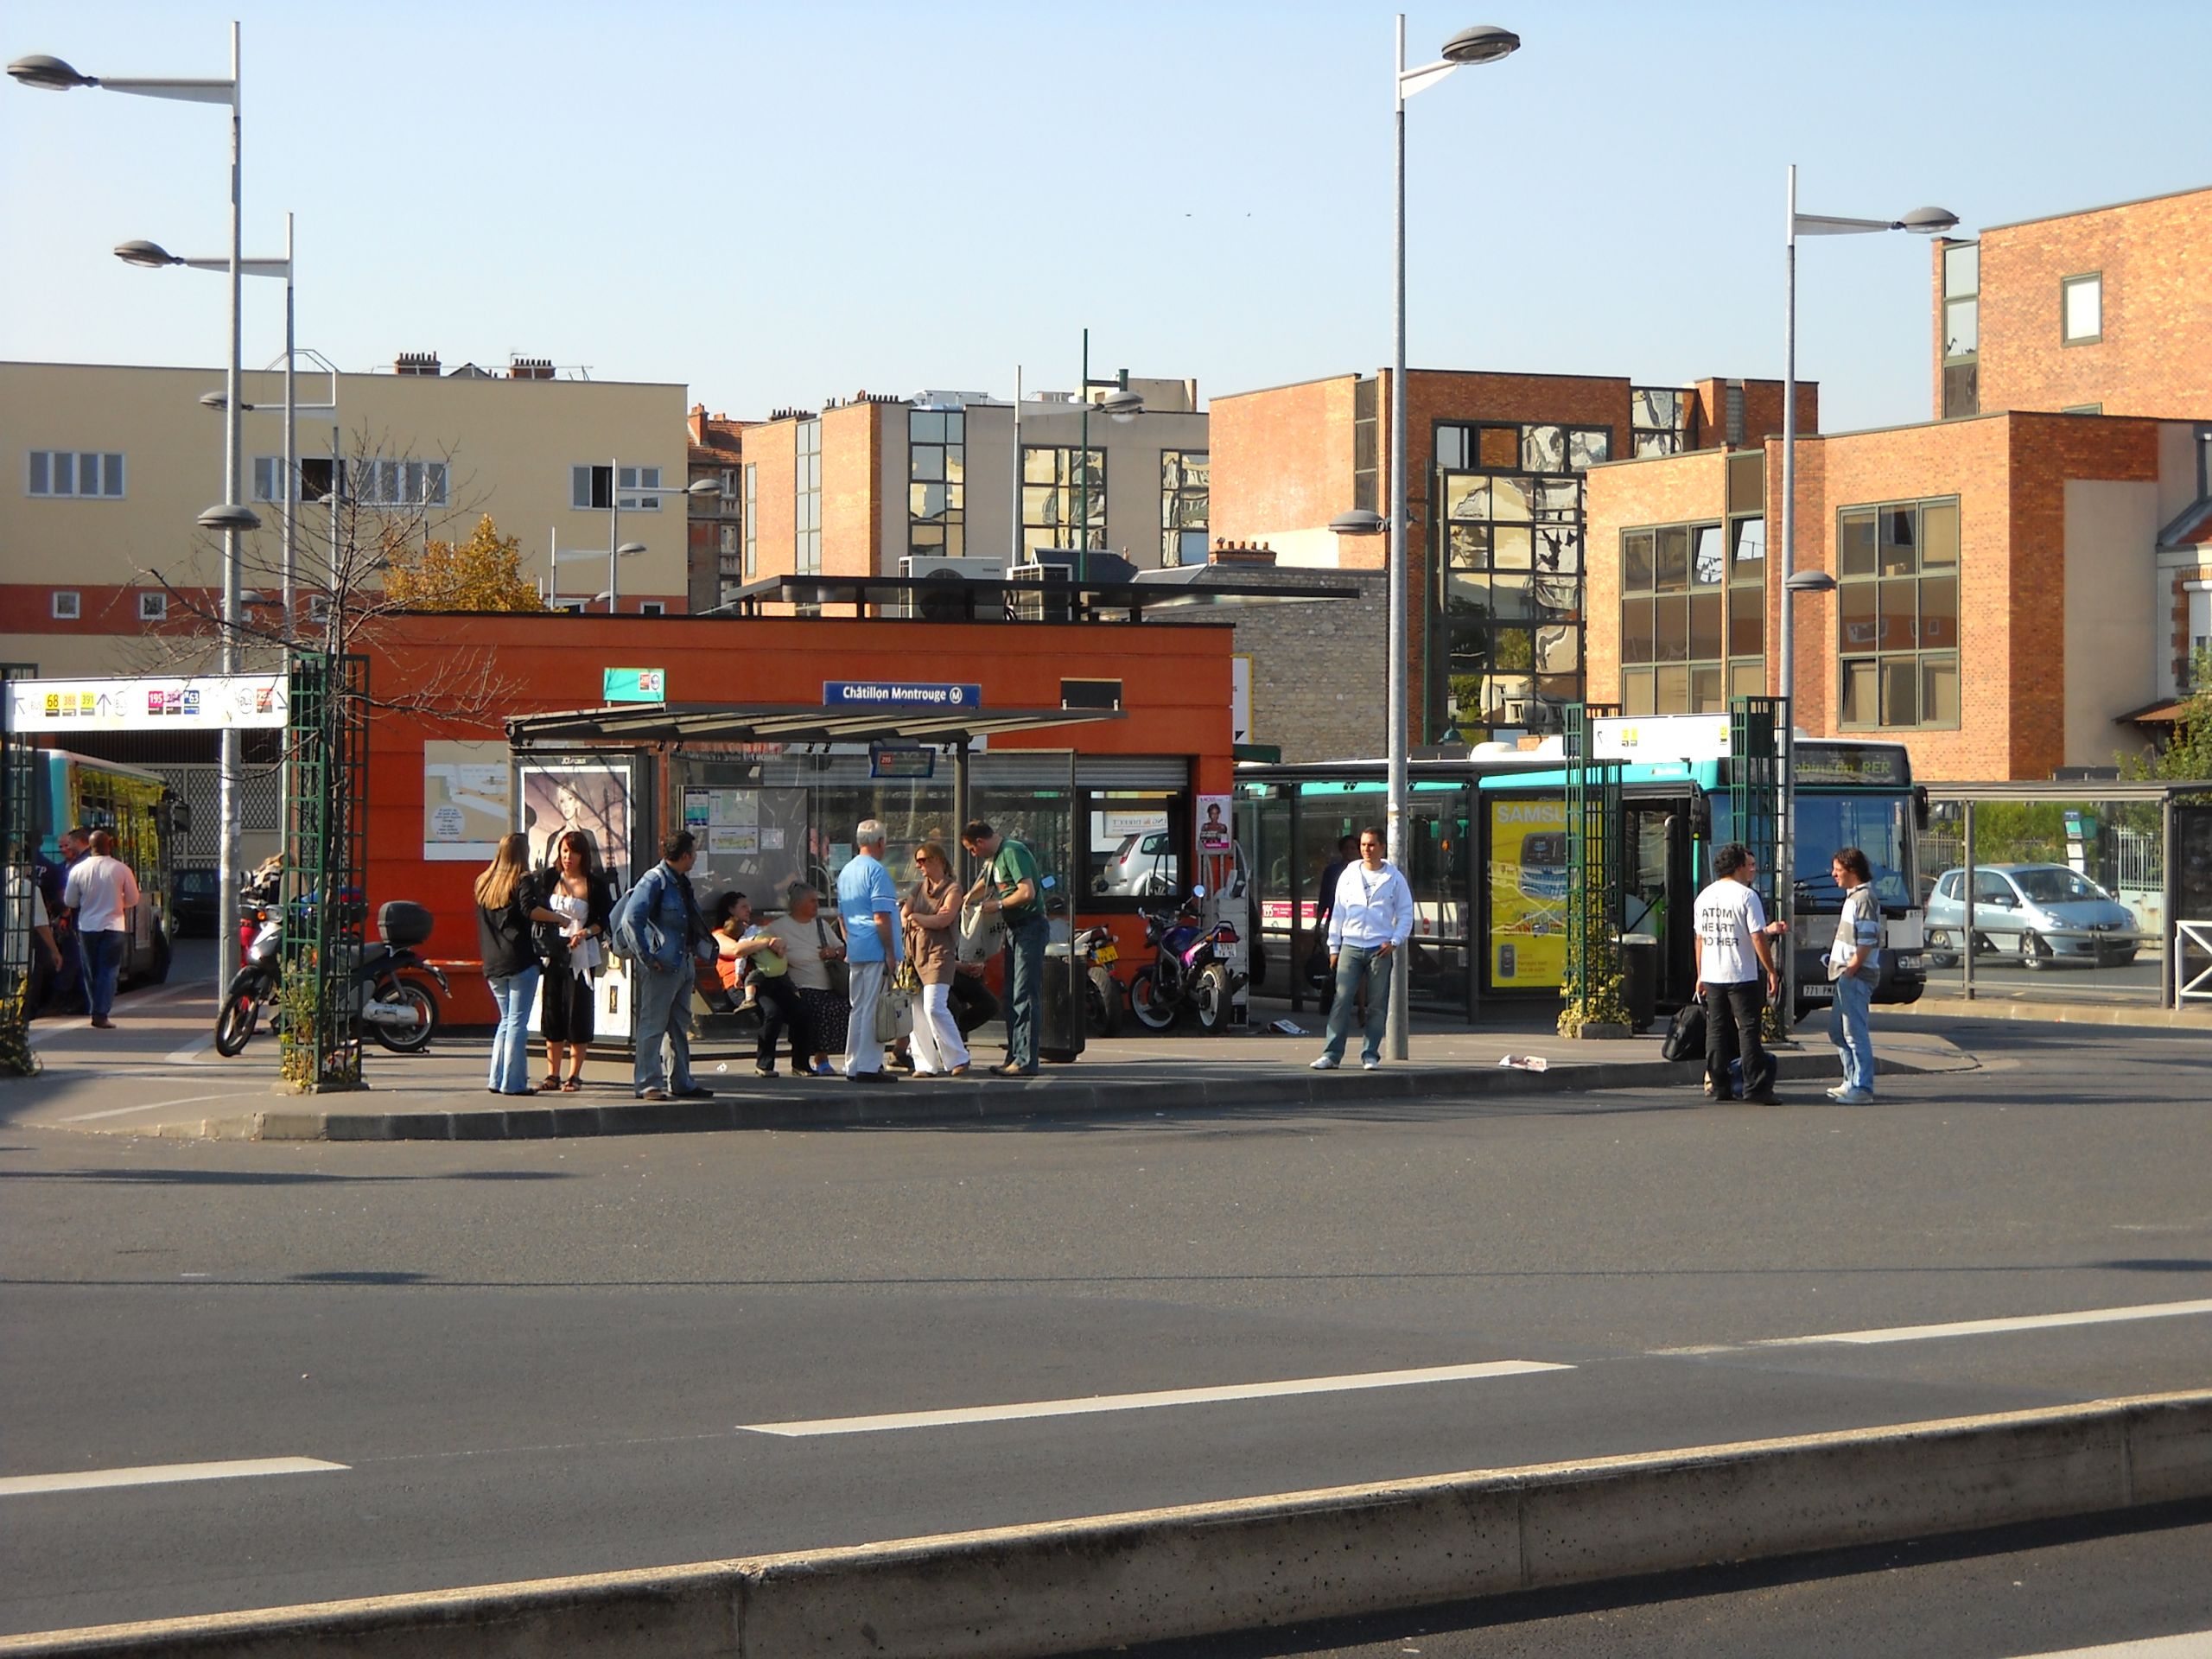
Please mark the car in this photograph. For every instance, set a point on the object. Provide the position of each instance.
(1144, 865)
(193, 904)
(2044, 914)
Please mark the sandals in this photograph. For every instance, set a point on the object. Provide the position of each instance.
(571, 1085)
(549, 1083)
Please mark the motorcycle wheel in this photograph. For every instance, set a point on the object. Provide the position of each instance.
(235, 1024)
(1105, 995)
(1152, 1012)
(406, 993)
(1211, 998)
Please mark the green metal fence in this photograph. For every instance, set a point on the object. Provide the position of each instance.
(1594, 838)
(18, 846)
(325, 779)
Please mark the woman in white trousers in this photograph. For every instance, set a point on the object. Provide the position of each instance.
(932, 914)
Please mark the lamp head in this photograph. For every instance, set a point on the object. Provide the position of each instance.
(216, 400)
(629, 548)
(1358, 522)
(1810, 581)
(1122, 404)
(48, 74)
(1483, 43)
(1927, 221)
(703, 486)
(229, 516)
(148, 255)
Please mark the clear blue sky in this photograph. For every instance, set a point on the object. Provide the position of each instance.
(779, 203)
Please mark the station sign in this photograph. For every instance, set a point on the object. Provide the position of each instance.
(900, 760)
(634, 685)
(899, 694)
(210, 702)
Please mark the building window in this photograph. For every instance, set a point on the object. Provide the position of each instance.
(729, 544)
(752, 524)
(319, 608)
(1057, 489)
(1897, 606)
(936, 489)
(1471, 446)
(400, 483)
(2082, 408)
(806, 500)
(67, 605)
(730, 484)
(1366, 444)
(1747, 481)
(1693, 616)
(1184, 476)
(2081, 308)
(1658, 420)
(153, 607)
(652, 608)
(594, 489)
(1961, 329)
(82, 473)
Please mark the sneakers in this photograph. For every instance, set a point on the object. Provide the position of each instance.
(1370, 1065)
(1326, 1063)
(1843, 1096)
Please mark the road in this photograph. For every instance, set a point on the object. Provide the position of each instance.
(520, 1359)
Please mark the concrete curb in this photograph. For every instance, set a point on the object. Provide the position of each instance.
(2069, 1014)
(825, 1102)
(1208, 1569)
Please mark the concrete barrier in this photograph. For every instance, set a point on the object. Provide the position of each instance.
(1211, 1568)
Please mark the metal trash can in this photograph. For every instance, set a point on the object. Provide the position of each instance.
(1061, 1016)
(1639, 955)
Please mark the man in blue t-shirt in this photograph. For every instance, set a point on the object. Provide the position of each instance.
(867, 905)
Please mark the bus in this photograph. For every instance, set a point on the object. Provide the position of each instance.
(1486, 852)
(139, 810)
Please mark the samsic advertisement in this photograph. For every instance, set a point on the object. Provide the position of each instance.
(1527, 893)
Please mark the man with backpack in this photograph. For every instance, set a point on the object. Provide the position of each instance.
(659, 927)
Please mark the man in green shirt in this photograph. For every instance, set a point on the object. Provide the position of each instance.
(1011, 888)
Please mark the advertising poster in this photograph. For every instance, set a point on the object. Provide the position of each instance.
(590, 796)
(1216, 863)
(1527, 893)
(467, 800)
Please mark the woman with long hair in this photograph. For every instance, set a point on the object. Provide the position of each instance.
(584, 900)
(932, 909)
(505, 907)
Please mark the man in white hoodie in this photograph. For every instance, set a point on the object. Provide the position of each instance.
(1369, 925)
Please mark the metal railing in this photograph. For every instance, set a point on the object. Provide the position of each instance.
(2192, 936)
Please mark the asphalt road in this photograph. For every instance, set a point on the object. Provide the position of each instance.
(543, 1357)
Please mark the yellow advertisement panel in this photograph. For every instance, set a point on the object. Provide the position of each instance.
(1527, 893)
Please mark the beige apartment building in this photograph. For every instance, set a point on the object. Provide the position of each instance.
(109, 466)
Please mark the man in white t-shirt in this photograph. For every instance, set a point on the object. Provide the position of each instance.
(103, 893)
(1735, 974)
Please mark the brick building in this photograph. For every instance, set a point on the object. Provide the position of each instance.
(1495, 465)
(714, 560)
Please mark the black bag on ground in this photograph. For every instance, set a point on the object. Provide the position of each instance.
(1685, 1038)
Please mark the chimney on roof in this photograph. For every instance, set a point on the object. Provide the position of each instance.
(417, 363)
(530, 368)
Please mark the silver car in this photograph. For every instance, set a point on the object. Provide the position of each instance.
(2044, 913)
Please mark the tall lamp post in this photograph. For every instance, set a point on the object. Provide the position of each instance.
(617, 548)
(1483, 43)
(1921, 221)
(231, 517)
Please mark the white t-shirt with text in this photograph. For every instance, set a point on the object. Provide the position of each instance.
(103, 893)
(1728, 914)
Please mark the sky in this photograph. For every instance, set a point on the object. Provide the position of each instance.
(779, 204)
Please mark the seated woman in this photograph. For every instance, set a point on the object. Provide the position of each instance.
(810, 948)
(743, 948)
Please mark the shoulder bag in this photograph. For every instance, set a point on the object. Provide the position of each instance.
(839, 971)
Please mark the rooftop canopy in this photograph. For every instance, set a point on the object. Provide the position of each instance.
(630, 725)
(1177, 589)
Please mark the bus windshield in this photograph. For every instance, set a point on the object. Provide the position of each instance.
(1875, 823)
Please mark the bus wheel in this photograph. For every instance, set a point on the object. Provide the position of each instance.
(159, 973)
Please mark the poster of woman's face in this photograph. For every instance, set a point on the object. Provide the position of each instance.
(557, 797)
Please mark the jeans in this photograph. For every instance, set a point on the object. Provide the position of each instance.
(103, 953)
(511, 1042)
(937, 1045)
(1359, 964)
(1848, 1030)
(660, 1005)
(1025, 983)
(862, 1051)
(1733, 1014)
(781, 1011)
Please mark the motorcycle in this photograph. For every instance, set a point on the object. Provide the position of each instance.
(399, 1012)
(1101, 991)
(1189, 974)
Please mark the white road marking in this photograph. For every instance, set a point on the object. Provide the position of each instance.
(1101, 1403)
(2191, 1644)
(1994, 1327)
(44, 1031)
(151, 1106)
(161, 1474)
(190, 1052)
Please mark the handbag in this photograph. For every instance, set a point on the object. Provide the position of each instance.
(1319, 974)
(983, 933)
(905, 979)
(1685, 1038)
(893, 1009)
(839, 971)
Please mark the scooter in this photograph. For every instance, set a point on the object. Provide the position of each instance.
(1101, 991)
(1190, 972)
(399, 1012)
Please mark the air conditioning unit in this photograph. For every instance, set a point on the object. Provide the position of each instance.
(951, 607)
(1052, 568)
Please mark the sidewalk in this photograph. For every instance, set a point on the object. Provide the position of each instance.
(156, 1073)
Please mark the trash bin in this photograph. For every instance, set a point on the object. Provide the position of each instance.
(1639, 977)
(1061, 1015)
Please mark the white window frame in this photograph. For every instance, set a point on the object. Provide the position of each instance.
(637, 478)
(2089, 282)
(153, 605)
(652, 607)
(67, 605)
(752, 537)
(318, 608)
(370, 478)
(39, 473)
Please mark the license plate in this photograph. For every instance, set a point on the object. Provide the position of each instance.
(1912, 965)
(1106, 956)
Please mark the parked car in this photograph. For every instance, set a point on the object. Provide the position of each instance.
(1145, 867)
(192, 903)
(2044, 913)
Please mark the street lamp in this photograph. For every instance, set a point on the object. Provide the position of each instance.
(617, 548)
(1921, 221)
(1123, 406)
(51, 74)
(1483, 43)
(557, 555)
